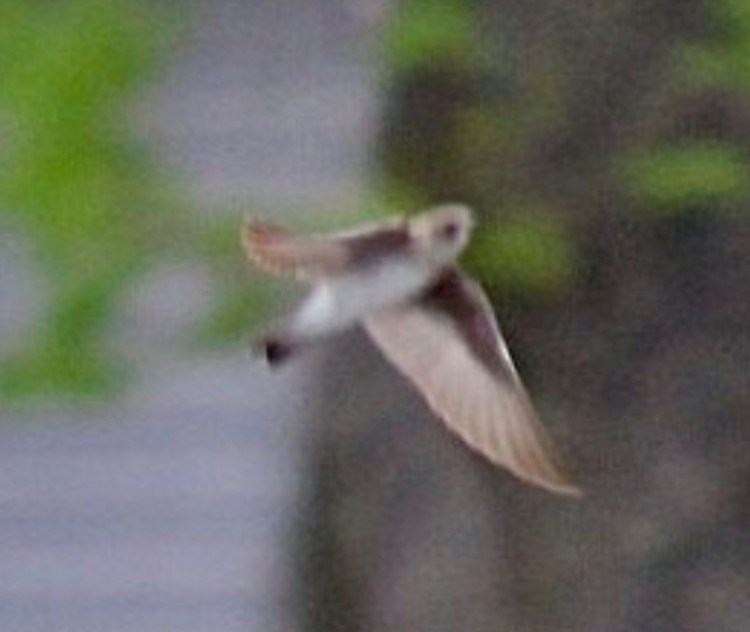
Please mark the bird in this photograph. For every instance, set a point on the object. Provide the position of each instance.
(399, 279)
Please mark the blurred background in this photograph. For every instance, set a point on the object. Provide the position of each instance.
(154, 477)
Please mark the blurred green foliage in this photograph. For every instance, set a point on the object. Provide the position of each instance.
(693, 176)
(722, 58)
(528, 254)
(429, 33)
(74, 178)
(81, 186)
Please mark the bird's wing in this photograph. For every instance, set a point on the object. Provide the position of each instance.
(448, 344)
(280, 251)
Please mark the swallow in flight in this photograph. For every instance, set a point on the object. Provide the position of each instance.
(400, 281)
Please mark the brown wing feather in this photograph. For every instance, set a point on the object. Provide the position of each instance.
(488, 409)
(277, 250)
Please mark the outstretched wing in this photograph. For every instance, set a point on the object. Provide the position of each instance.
(280, 251)
(448, 344)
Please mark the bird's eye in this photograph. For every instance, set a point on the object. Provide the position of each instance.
(449, 231)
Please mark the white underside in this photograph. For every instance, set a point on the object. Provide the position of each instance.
(339, 303)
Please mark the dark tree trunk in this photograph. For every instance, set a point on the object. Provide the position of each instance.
(640, 367)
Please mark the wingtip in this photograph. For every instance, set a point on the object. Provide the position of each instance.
(567, 489)
(256, 231)
(556, 483)
(259, 240)
(550, 477)
(552, 482)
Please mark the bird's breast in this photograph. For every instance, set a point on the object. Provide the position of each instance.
(381, 286)
(338, 303)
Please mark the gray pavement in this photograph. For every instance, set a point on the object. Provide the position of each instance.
(169, 510)
(156, 514)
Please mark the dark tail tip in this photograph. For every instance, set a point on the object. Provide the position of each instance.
(275, 350)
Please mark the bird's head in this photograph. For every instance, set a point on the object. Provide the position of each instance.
(441, 233)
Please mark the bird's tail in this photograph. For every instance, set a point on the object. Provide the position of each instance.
(275, 348)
